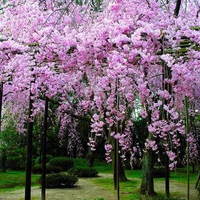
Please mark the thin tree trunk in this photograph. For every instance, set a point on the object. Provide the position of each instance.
(1, 102)
(177, 8)
(3, 153)
(167, 172)
(117, 168)
(29, 152)
(187, 128)
(90, 158)
(119, 172)
(122, 175)
(45, 127)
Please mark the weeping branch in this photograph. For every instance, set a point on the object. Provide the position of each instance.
(177, 8)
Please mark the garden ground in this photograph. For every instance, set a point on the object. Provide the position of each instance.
(89, 189)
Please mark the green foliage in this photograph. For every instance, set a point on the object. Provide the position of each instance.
(15, 163)
(37, 169)
(63, 162)
(94, 4)
(38, 160)
(60, 180)
(12, 143)
(83, 172)
(12, 147)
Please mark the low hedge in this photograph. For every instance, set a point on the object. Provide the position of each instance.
(15, 163)
(38, 160)
(83, 172)
(37, 169)
(59, 180)
(63, 162)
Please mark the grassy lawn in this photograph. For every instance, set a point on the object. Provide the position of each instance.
(129, 190)
(14, 180)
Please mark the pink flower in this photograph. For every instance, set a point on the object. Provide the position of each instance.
(143, 114)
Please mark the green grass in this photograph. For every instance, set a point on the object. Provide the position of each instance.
(100, 166)
(14, 180)
(129, 190)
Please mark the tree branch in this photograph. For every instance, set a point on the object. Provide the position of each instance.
(177, 8)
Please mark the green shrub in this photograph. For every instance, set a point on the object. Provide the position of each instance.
(159, 172)
(15, 163)
(37, 169)
(83, 172)
(60, 180)
(53, 169)
(63, 162)
(38, 160)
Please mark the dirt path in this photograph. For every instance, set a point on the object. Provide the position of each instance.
(85, 190)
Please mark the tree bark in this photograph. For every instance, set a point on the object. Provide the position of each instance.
(1, 102)
(122, 175)
(177, 8)
(167, 173)
(90, 157)
(119, 172)
(3, 153)
(147, 185)
(45, 127)
(29, 152)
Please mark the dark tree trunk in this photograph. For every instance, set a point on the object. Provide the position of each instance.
(1, 102)
(147, 186)
(167, 172)
(177, 8)
(29, 152)
(119, 172)
(3, 153)
(90, 157)
(45, 127)
(122, 175)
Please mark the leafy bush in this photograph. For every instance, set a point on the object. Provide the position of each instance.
(37, 169)
(159, 172)
(63, 162)
(38, 160)
(83, 172)
(59, 180)
(15, 163)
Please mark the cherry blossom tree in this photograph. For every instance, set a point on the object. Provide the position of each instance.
(98, 66)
